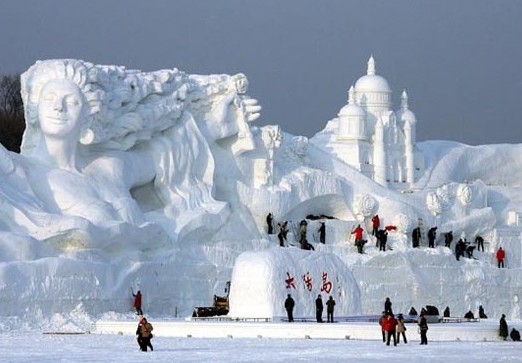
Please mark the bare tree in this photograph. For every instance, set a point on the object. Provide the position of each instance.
(12, 123)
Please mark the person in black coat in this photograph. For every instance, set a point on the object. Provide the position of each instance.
(319, 309)
(330, 303)
(515, 335)
(322, 233)
(423, 327)
(382, 237)
(269, 222)
(415, 237)
(482, 314)
(289, 306)
(448, 238)
(480, 243)
(503, 327)
(388, 306)
(447, 312)
(432, 235)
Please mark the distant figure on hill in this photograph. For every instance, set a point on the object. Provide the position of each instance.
(482, 315)
(480, 243)
(322, 233)
(269, 223)
(503, 327)
(401, 329)
(330, 303)
(137, 302)
(460, 247)
(515, 335)
(283, 231)
(432, 236)
(289, 306)
(376, 223)
(388, 306)
(416, 237)
(447, 312)
(501, 255)
(302, 230)
(413, 312)
(423, 327)
(469, 315)
(448, 238)
(359, 242)
(319, 309)
(382, 238)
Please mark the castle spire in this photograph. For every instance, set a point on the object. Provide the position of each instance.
(404, 100)
(351, 95)
(371, 66)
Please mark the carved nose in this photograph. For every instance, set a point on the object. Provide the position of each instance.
(58, 107)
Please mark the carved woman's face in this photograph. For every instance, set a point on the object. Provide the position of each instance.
(60, 109)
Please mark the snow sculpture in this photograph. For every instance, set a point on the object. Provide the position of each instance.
(465, 194)
(107, 144)
(366, 206)
(374, 139)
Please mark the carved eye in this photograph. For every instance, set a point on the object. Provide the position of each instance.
(49, 97)
(72, 101)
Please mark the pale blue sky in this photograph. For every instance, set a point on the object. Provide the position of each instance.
(460, 60)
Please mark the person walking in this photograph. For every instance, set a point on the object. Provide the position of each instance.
(144, 333)
(501, 255)
(269, 223)
(447, 312)
(319, 309)
(401, 329)
(423, 328)
(322, 233)
(330, 309)
(503, 328)
(289, 306)
(137, 302)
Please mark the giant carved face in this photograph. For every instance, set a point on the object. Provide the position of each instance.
(60, 109)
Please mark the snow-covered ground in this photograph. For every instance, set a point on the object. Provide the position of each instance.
(36, 347)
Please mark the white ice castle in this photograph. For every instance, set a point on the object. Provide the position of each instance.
(373, 138)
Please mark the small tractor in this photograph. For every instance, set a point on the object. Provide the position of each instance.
(219, 307)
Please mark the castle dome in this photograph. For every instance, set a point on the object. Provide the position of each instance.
(351, 109)
(372, 82)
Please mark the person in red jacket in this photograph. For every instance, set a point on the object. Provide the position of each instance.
(390, 327)
(501, 254)
(137, 302)
(359, 242)
(376, 223)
